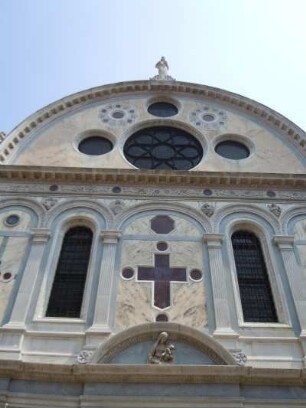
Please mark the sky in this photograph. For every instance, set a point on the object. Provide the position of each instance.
(53, 48)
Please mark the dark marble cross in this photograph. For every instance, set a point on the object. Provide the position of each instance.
(161, 274)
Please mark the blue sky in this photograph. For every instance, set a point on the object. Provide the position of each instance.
(52, 48)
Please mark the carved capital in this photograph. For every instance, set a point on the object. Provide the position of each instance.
(40, 235)
(110, 237)
(284, 241)
(213, 240)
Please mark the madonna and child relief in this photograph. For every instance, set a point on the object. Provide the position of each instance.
(161, 273)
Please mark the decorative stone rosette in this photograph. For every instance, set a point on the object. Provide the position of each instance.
(117, 114)
(208, 118)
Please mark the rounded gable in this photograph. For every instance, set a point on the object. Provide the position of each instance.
(114, 112)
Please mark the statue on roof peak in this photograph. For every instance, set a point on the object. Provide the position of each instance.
(162, 67)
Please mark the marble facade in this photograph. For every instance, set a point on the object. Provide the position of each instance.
(88, 361)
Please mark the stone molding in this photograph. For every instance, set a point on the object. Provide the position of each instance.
(296, 135)
(284, 241)
(40, 235)
(213, 240)
(152, 177)
(99, 373)
(110, 237)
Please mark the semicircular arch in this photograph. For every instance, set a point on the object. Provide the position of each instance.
(150, 331)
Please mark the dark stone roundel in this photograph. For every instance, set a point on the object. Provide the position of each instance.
(12, 220)
(163, 147)
(95, 146)
(162, 246)
(7, 275)
(162, 224)
(162, 317)
(196, 274)
(128, 273)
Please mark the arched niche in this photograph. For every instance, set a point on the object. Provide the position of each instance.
(132, 346)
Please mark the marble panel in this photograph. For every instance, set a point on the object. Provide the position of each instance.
(23, 224)
(10, 262)
(182, 227)
(135, 298)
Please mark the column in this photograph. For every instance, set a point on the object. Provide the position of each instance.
(220, 291)
(22, 303)
(296, 277)
(106, 280)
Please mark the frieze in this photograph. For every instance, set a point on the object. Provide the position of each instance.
(149, 192)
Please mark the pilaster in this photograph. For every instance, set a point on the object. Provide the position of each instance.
(103, 301)
(220, 292)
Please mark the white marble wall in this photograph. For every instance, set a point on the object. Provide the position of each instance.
(56, 144)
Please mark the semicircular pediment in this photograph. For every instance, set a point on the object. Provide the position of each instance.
(55, 133)
(162, 343)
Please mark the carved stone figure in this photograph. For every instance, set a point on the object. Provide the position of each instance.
(275, 209)
(49, 203)
(84, 356)
(208, 209)
(116, 207)
(163, 67)
(240, 357)
(162, 351)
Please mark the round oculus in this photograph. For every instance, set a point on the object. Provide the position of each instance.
(233, 150)
(95, 146)
(12, 220)
(162, 109)
(163, 148)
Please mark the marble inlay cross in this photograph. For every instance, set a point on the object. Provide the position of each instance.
(161, 274)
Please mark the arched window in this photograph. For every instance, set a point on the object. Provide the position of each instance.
(70, 276)
(255, 291)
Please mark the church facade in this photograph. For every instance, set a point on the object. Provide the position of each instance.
(153, 251)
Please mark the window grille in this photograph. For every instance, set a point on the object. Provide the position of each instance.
(69, 282)
(255, 291)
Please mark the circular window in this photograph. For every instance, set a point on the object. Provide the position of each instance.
(232, 150)
(162, 109)
(95, 145)
(163, 147)
(12, 220)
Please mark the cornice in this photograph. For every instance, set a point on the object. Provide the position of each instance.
(51, 175)
(175, 374)
(284, 126)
